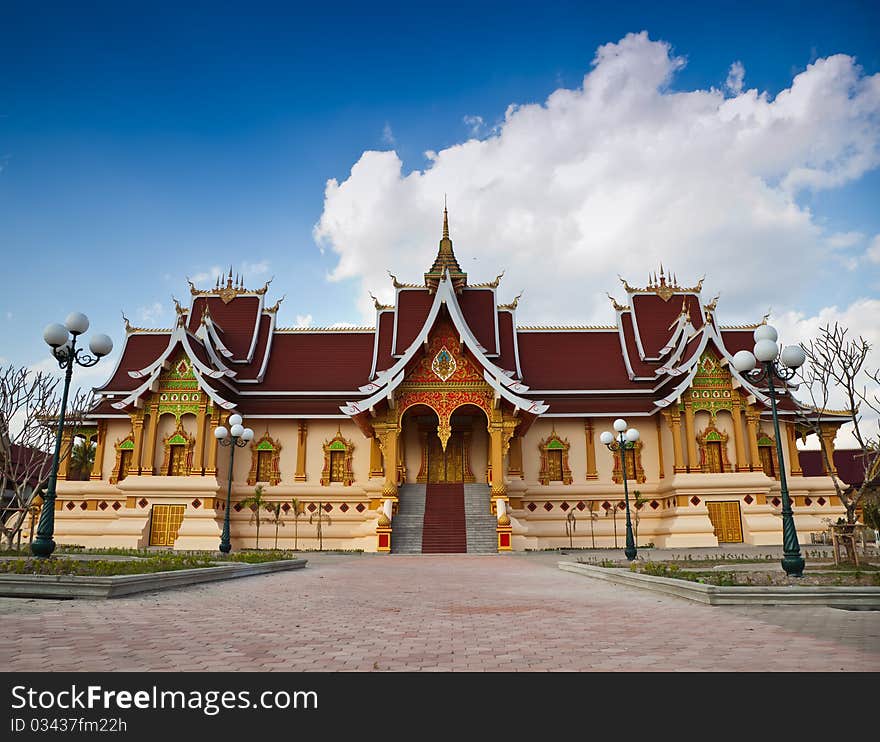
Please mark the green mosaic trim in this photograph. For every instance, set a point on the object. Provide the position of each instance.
(265, 446)
(555, 444)
(127, 445)
(337, 446)
(177, 439)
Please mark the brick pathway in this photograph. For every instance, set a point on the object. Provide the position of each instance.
(449, 612)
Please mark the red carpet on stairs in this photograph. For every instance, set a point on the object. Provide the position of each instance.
(444, 526)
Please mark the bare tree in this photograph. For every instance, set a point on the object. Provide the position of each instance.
(836, 362)
(591, 506)
(29, 403)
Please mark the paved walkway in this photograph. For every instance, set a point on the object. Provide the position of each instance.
(449, 612)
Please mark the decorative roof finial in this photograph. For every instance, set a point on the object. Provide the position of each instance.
(128, 327)
(445, 220)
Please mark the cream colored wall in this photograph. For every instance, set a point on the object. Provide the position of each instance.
(479, 453)
(412, 449)
(668, 447)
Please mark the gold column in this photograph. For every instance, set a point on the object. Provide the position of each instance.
(199, 453)
(752, 419)
(691, 435)
(98, 467)
(66, 452)
(592, 473)
(674, 420)
(401, 459)
(153, 433)
(390, 433)
(376, 468)
(495, 438)
(827, 432)
(300, 475)
(137, 426)
(514, 461)
(741, 463)
(660, 446)
(211, 464)
(791, 434)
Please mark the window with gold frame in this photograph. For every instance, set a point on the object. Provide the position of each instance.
(178, 446)
(338, 461)
(554, 460)
(177, 460)
(713, 450)
(124, 457)
(768, 459)
(265, 461)
(634, 469)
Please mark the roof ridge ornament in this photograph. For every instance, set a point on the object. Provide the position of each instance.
(379, 306)
(512, 305)
(445, 261)
(617, 306)
(665, 287)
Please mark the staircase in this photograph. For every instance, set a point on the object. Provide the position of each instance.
(407, 524)
(482, 537)
(444, 529)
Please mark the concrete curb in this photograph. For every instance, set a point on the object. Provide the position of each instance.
(855, 597)
(71, 586)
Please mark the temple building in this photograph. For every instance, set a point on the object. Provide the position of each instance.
(446, 426)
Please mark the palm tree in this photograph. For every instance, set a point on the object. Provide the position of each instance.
(591, 506)
(275, 509)
(82, 458)
(255, 502)
(320, 517)
(299, 508)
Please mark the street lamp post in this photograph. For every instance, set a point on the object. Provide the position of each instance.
(236, 437)
(62, 340)
(766, 352)
(625, 440)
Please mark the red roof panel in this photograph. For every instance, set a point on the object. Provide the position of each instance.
(507, 358)
(412, 310)
(140, 352)
(654, 317)
(574, 360)
(478, 308)
(386, 335)
(235, 321)
(313, 361)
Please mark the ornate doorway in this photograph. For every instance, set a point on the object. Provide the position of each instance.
(446, 467)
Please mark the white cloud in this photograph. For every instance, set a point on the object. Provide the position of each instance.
(735, 77)
(303, 320)
(388, 135)
(873, 251)
(152, 313)
(614, 177)
(253, 270)
(207, 276)
(474, 124)
(9, 315)
(843, 240)
(861, 319)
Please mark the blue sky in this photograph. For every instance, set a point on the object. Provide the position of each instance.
(142, 145)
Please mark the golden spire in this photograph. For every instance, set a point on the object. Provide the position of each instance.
(445, 260)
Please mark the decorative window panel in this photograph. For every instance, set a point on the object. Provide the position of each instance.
(767, 452)
(634, 469)
(713, 450)
(124, 455)
(554, 460)
(265, 461)
(179, 447)
(338, 454)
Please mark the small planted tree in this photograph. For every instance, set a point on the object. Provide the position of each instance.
(256, 502)
(319, 517)
(570, 527)
(638, 504)
(299, 508)
(274, 509)
(591, 506)
(82, 458)
(612, 511)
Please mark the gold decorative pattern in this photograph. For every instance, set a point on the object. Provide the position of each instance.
(634, 468)
(234, 287)
(554, 460)
(664, 287)
(124, 450)
(713, 450)
(338, 454)
(178, 462)
(512, 305)
(265, 447)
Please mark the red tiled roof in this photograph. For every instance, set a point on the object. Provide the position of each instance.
(598, 404)
(288, 406)
(412, 310)
(506, 359)
(313, 361)
(574, 360)
(386, 332)
(250, 370)
(235, 321)
(639, 367)
(654, 317)
(140, 352)
(848, 462)
(478, 308)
